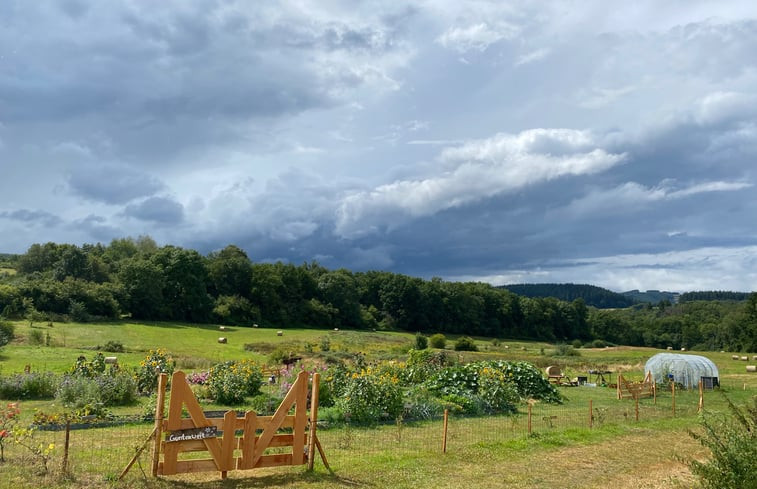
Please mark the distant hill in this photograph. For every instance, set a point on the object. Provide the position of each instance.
(652, 296)
(591, 294)
(713, 295)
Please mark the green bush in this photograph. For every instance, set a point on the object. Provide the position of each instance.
(576, 344)
(6, 332)
(36, 337)
(28, 386)
(563, 350)
(114, 347)
(438, 340)
(465, 343)
(733, 444)
(90, 393)
(421, 342)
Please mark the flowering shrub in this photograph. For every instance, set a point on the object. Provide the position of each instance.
(8, 420)
(198, 378)
(156, 362)
(369, 397)
(97, 392)
(41, 452)
(33, 385)
(230, 382)
(83, 368)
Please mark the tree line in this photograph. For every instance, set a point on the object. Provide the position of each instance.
(138, 278)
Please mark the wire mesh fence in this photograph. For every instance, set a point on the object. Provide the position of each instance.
(101, 453)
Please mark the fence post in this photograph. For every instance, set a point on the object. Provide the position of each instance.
(529, 417)
(444, 429)
(591, 415)
(701, 396)
(65, 446)
(162, 379)
(673, 387)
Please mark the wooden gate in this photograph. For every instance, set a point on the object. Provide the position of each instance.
(636, 390)
(179, 435)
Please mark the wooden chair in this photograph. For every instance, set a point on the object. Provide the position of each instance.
(554, 374)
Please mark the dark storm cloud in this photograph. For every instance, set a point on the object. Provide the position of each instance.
(33, 217)
(98, 228)
(112, 184)
(161, 210)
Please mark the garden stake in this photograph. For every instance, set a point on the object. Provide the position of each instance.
(444, 429)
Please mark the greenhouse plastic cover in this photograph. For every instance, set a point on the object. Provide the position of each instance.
(686, 369)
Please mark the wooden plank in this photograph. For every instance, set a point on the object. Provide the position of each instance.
(162, 379)
(313, 419)
(262, 423)
(276, 420)
(278, 440)
(228, 442)
(193, 466)
(170, 456)
(274, 460)
(247, 442)
(300, 419)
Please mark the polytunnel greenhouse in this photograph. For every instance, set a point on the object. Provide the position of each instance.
(687, 370)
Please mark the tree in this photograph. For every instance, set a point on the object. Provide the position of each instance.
(230, 272)
(143, 282)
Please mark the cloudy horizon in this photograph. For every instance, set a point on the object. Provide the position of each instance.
(605, 143)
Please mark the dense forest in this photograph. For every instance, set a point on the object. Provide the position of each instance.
(591, 294)
(137, 278)
(713, 295)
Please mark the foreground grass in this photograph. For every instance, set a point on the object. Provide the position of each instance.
(622, 456)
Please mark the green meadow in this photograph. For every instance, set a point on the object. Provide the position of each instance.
(562, 450)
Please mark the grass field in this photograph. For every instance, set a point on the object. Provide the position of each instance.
(562, 450)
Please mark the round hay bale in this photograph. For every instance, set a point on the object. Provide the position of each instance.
(744, 359)
(751, 368)
(222, 340)
(111, 360)
(683, 349)
(222, 328)
(734, 357)
(754, 357)
(670, 348)
(279, 333)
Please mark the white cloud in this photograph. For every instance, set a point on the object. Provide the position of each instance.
(675, 271)
(634, 195)
(477, 36)
(474, 171)
(532, 56)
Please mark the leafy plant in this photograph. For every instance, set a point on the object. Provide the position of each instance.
(156, 362)
(229, 382)
(733, 444)
(6, 332)
(465, 343)
(438, 340)
(40, 451)
(369, 397)
(8, 421)
(33, 385)
(421, 342)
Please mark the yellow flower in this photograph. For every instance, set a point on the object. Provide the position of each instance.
(51, 446)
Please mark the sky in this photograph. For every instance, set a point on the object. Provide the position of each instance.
(601, 142)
